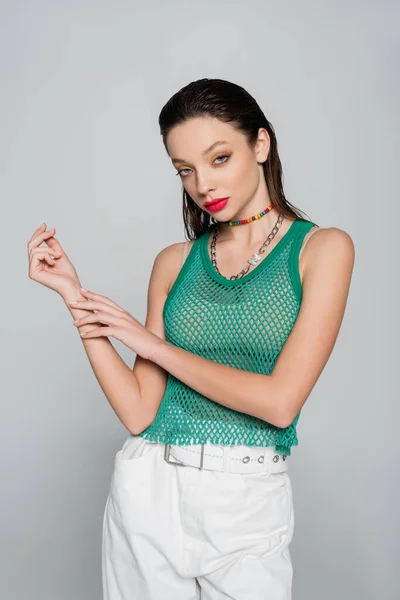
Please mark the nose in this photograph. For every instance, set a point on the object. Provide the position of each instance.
(204, 185)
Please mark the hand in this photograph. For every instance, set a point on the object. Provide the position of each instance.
(56, 273)
(118, 323)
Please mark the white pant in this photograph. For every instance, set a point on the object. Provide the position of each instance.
(175, 532)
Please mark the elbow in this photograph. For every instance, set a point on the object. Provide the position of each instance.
(284, 416)
(288, 413)
(283, 420)
(280, 408)
(287, 403)
(138, 427)
(134, 430)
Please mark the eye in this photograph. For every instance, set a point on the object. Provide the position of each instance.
(181, 172)
(222, 156)
(226, 156)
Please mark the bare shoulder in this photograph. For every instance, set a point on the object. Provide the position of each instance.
(329, 244)
(169, 261)
(331, 238)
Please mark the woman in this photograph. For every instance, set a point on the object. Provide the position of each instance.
(241, 321)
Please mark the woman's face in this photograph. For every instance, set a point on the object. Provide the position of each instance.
(231, 169)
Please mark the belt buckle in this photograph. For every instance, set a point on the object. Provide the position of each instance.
(167, 454)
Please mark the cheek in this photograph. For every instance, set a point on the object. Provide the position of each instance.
(245, 175)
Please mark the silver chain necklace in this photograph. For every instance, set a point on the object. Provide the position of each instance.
(253, 260)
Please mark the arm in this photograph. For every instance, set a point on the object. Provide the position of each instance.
(133, 394)
(119, 385)
(277, 398)
(153, 378)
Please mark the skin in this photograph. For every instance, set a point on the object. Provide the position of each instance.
(231, 170)
(326, 266)
(239, 176)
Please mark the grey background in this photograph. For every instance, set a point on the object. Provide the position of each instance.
(82, 84)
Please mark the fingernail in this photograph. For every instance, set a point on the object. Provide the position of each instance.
(74, 302)
(83, 290)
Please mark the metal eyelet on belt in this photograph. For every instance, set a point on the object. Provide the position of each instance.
(276, 458)
(260, 459)
(246, 459)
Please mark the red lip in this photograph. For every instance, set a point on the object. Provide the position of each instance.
(214, 200)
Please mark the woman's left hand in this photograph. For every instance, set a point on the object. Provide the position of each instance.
(119, 324)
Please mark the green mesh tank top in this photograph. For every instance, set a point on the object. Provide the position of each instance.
(242, 323)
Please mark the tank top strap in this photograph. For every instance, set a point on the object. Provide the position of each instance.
(303, 228)
(309, 234)
(184, 251)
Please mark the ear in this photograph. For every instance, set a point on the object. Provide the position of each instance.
(262, 145)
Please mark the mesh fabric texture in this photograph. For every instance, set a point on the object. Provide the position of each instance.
(241, 323)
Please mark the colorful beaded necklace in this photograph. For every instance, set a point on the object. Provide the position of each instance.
(243, 221)
(252, 261)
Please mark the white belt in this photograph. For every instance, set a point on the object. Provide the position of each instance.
(232, 459)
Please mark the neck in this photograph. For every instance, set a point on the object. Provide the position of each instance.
(253, 233)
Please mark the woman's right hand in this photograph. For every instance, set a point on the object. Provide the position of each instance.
(58, 274)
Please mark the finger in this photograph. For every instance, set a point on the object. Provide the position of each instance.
(98, 332)
(99, 298)
(51, 251)
(92, 318)
(103, 306)
(37, 257)
(42, 251)
(38, 239)
(53, 243)
(38, 230)
(51, 261)
(98, 317)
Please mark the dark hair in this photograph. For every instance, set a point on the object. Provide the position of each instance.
(229, 103)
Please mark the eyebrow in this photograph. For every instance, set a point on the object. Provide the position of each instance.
(205, 151)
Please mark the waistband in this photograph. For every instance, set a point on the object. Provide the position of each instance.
(232, 459)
